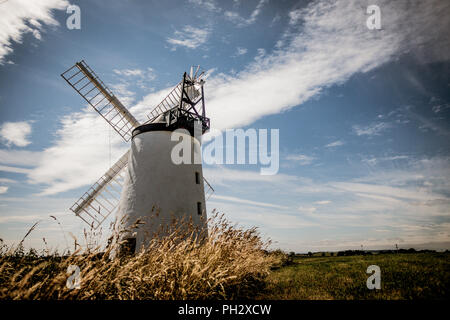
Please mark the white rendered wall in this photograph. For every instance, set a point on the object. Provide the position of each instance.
(156, 190)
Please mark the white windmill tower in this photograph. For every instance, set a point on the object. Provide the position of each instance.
(145, 183)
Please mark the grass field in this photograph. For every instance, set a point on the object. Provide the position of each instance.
(403, 276)
(231, 263)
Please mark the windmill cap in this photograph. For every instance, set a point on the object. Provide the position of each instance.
(162, 126)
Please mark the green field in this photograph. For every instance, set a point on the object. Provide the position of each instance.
(231, 263)
(403, 276)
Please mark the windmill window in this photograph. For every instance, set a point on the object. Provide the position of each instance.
(199, 208)
(197, 178)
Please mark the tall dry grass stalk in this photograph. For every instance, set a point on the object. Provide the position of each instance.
(230, 263)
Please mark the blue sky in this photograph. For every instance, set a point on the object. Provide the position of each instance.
(363, 115)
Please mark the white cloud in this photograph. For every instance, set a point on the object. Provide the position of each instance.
(128, 72)
(22, 16)
(123, 93)
(15, 169)
(209, 5)
(20, 157)
(18, 218)
(16, 133)
(387, 192)
(190, 37)
(240, 51)
(3, 189)
(275, 19)
(242, 22)
(440, 107)
(148, 74)
(223, 176)
(426, 123)
(256, 203)
(373, 129)
(307, 210)
(300, 159)
(131, 78)
(375, 160)
(80, 155)
(295, 16)
(267, 218)
(333, 44)
(337, 143)
(323, 202)
(392, 158)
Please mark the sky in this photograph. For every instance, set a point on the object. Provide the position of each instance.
(363, 114)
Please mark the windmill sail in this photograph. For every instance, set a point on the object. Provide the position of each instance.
(190, 85)
(172, 100)
(93, 90)
(103, 196)
(209, 190)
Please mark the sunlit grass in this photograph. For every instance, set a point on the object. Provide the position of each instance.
(230, 263)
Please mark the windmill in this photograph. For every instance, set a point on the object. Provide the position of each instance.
(144, 182)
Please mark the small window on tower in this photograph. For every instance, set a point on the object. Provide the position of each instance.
(199, 208)
(197, 178)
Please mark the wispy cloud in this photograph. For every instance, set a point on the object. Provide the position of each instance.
(209, 5)
(388, 192)
(129, 78)
(323, 202)
(243, 22)
(224, 176)
(20, 157)
(16, 133)
(22, 16)
(333, 144)
(374, 129)
(440, 107)
(19, 218)
(375, 160)
(15, 169)
(240, 51)
(295, 16)
(427, 124)
(190, 37)
(80, 155)
(333, 44)
(307, 210)
(3, 189)
(415, 195)
(128, 72)
(300, 159)
(255, 203)
(136, 73)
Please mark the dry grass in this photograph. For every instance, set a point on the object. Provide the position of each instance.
(230, 263)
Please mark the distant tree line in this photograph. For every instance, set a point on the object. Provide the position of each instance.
(363, 252)
(360, 252)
